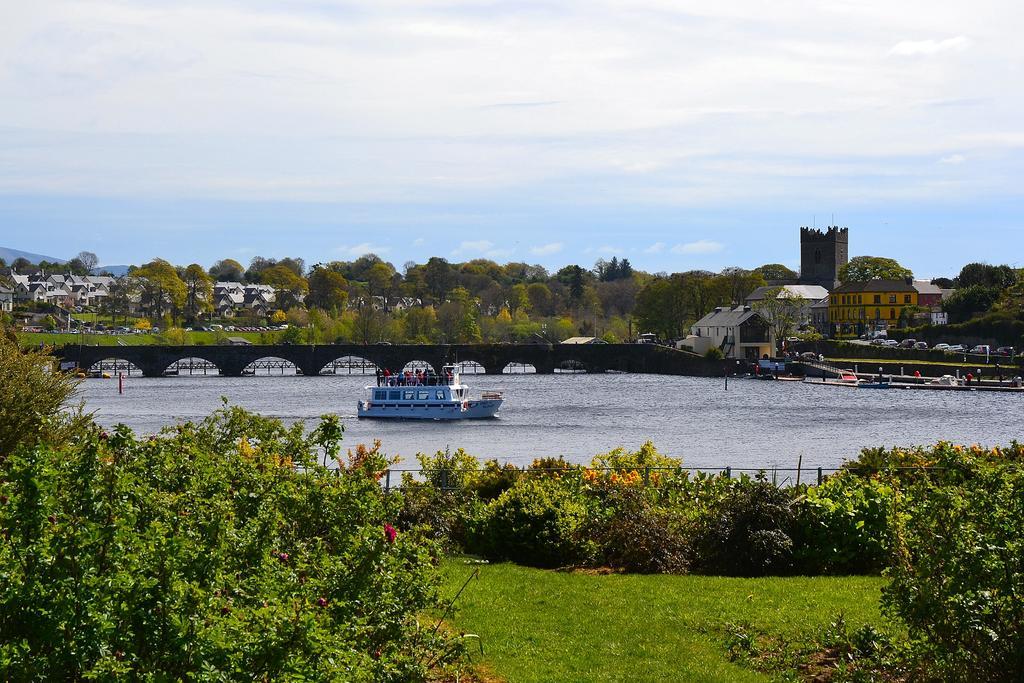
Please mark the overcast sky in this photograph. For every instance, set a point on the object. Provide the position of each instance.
(678, 134)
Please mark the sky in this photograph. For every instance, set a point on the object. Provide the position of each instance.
(677, 134)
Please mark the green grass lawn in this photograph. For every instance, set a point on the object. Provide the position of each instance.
(539, 625)
(56, 339)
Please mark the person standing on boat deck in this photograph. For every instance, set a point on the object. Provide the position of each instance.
(380, 376)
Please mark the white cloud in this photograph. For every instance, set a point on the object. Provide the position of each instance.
(418, 242)
(953, 159)
(410, 101)
(548, 249)
(698, 247)
(357, 250)
(655, 248)
(916, 48)
(477, 248)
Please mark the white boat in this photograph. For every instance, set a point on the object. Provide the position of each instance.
(429, 397)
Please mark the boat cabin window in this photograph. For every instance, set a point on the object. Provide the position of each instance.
(380, 395)
(394, 395)
(409, 395)
(423, 395)
(439, 395)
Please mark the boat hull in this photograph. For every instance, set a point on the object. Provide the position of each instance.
(474, 410)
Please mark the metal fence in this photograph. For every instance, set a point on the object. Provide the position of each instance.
(448, 478)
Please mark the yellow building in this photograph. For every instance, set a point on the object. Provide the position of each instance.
(876, 304)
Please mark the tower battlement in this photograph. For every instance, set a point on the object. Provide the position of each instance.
(822, 254)
(832, 233)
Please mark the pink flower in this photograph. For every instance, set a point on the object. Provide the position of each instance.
(390, 533)
(283, 557)
(321, 602)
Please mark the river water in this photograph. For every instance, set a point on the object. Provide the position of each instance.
(753, 424)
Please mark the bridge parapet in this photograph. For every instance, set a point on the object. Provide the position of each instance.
(232, 360)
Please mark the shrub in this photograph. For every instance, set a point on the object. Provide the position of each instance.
(747, 532)
(494, 479)
(638, 536)
(842, 526)
(957, 582)
(34, 401)
(537, 522)
(714, 353)
(218, 550)
(445, 502)
(647, 456)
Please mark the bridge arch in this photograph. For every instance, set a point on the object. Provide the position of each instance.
(189, 366)
(271, 365)
(417, 364)
(350, 364)
(113, 365)
(572, 366)
(471, 367)
(515, 367)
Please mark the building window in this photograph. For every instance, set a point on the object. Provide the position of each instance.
(892, 298)
(878, 313)
(906, 298)
(878, 298)
(892, 314)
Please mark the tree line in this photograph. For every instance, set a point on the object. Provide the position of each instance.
(368, 299)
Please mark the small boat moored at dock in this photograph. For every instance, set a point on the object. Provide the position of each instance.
(428, 397)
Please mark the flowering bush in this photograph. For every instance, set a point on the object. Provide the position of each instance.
(212, 551)
(537, 522)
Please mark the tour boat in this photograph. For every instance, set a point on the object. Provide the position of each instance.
(428, 397)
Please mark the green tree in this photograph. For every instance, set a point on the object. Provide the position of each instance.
(198, 291)
(864, 268)
(227, 270)
(985, 275)
(123, 293)
(776, 271)
(782, 310)
(420, 324)
(291, 287)
(162, 291)
(328, 289)
(370, 325)
(661, 308)
(541, 299)
(968, 302)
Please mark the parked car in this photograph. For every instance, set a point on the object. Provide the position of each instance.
(982, 350)
(921, 346)
(957, 348)
(878, 341)
(1004, 351)
(908, 343)
(890, 343)
(940, 347)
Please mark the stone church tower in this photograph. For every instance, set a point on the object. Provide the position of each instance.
(822, 254)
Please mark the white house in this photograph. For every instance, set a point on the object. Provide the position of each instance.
(6, 299)
(739, 332)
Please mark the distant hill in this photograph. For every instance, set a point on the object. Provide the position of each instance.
(10, 255)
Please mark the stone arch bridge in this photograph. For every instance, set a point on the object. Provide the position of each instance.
(311, 359)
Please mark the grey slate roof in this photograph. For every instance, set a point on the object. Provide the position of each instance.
(727, 317)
